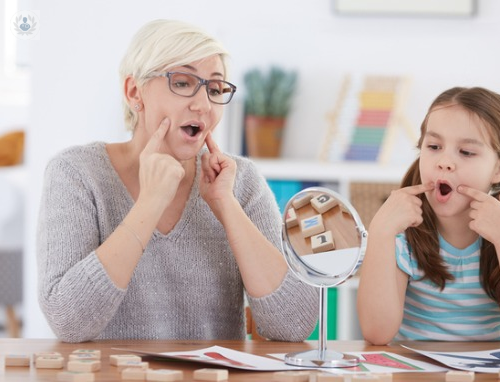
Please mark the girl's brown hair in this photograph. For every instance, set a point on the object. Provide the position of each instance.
(423, 240)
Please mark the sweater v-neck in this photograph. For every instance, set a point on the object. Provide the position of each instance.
(191, 201)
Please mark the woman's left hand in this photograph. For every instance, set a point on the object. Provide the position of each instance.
(218, 172)
(484, 213)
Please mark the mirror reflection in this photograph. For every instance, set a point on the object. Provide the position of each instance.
(323, 236)
(324, 242)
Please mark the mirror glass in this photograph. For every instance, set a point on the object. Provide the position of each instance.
(324, 242)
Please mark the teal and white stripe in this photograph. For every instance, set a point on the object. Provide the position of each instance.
(460, 312)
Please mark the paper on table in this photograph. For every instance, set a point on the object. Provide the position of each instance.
(220, 356)
(381, 362)
(484, 361)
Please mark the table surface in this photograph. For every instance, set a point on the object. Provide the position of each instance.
(110, 373)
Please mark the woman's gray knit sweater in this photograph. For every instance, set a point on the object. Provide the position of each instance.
(187, 284)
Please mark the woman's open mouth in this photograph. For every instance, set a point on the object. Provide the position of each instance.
(191, 130)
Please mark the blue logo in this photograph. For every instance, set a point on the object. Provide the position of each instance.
(25, 24)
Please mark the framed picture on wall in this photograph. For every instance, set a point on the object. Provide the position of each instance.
(447, 8)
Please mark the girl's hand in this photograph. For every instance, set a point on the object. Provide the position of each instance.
(402, 209)
(217, 175)
(159, 174)
(484, 213)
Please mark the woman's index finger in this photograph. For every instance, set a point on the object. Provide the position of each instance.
(211, 145)
(157, 138)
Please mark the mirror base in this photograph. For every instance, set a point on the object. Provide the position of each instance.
(312, 358)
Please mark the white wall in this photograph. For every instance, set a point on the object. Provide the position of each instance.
(76, 96)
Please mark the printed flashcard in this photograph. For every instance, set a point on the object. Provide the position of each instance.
(485, 361)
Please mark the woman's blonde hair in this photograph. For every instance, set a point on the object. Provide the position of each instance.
(160, 45)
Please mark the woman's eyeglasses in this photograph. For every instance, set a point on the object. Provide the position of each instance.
(188, 84)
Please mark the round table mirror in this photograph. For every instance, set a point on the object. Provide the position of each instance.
(324, 242)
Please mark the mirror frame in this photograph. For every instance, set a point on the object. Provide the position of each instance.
(306, 272)
(322, 357)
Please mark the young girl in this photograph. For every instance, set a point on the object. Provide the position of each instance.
(444, 281)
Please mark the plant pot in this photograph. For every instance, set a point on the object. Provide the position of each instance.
(264, 136)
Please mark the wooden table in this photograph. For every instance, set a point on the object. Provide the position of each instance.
(110, 373)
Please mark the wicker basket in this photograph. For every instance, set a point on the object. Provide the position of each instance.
(367, 198)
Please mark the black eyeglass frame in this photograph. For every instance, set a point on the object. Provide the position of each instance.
(201, 81)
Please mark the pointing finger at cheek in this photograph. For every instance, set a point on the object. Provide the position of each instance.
(157, 138)
(211, 145)
(472, 193)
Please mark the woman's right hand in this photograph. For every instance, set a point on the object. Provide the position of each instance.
(159, 174)
(402, 209)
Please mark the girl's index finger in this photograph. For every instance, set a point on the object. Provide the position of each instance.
(420, 188)
(211, 145)
(471, 192)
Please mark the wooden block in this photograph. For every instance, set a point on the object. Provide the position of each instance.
(302, 201)
(211, 375)
(312, 226)
(84, 356)
(364, 378)
(164, 375)
(95, 352)
(291, 376)
(291, 218)
(85, 365)
(132, 365)
(75, 376)
(17, 360)
(134, 374)
(384, 377)
(322, 242)
(114, 359)
(46, 353)
(459, 376)
(323, 203)
(327, 377)
(49, 362)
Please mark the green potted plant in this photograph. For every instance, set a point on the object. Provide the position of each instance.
(267, 103)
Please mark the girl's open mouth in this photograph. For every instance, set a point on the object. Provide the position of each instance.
(443, 191)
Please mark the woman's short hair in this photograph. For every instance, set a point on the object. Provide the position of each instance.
(160, 45)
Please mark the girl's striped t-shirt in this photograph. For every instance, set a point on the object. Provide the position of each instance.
(462, 311)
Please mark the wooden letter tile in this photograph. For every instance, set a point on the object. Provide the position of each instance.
(134, 374)
(301, 201)
(327, 377)
(49, 362)
(323, 203)
(96, 353)
(459, 376)
(17, 360)
(291, 376)
(312, 226)
(322, 242)
(115, 359)
(75, 376)
(85, 365)
(164, 375)
(211, 375)
(291, 218)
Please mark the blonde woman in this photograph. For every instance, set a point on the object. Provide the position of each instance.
(159, 237)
